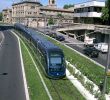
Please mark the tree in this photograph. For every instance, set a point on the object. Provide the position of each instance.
(60, 15)
(50, 21)
(106, 12)
(0, 16)
(68, 6)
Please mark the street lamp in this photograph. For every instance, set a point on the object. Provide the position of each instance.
(107, 67)
(106, 30)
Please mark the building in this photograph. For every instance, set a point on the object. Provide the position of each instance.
(24, 11)
(52, 4)
(66, 16)
(7, 15)
(34, 14)
(88, 12)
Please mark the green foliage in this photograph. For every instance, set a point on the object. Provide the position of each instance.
(68, 6)
(59, 15)
(105, 14)
(36, 89)
(89, 86)
(93, 72)
(0, 16)
(106, 11)
(64, 87)
(102, 97)
(50, 21)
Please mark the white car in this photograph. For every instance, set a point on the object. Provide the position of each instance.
(103, 47)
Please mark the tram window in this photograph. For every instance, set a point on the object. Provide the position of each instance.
(55, 61)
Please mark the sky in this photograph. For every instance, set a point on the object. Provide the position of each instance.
(60, 3)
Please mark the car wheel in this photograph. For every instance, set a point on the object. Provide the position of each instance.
(91, 55)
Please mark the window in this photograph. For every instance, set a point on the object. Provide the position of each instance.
(88, 9)
(32, 7)
(97, 9)
(55, 59)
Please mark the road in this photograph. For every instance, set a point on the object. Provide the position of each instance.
(78, 45)
(101, 59)
(11, 79)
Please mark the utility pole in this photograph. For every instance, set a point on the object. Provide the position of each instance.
(108, 57)
(106, 69)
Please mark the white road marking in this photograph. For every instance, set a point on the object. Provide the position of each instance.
(47, 91)
(2, 39)
(23, 71)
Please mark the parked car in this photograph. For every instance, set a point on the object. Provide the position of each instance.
(102, 47)
(88, 41)
(52, 34)
(60, 38)
(91, 51)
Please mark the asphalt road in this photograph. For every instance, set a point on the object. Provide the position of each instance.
(102, 59)
(11, 79)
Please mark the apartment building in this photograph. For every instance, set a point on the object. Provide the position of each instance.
(88, 12)
(7, 15)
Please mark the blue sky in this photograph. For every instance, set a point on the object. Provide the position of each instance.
(60, 3)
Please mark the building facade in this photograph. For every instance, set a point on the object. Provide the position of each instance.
(33, 14)
(7, 15)
(23, 11)
(52, 3)
(88, 12)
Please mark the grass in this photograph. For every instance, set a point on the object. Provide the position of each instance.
(36, 90)
(94, 72)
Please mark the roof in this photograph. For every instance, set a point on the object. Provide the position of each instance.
(32, 2)
(47, 45)
(89, 4)
(56, 9)
(42, 41)
(7, 9)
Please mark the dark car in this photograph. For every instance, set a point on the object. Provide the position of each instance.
(52, 34)
(60, 38)
(91, 51)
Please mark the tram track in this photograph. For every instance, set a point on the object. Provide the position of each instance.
(61, 86)
(59, 89)
(53, 85)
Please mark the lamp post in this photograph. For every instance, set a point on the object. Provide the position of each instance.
(107, 68)
(108, 55)
(106, 30)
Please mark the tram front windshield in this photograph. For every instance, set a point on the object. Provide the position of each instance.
(56, 60)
